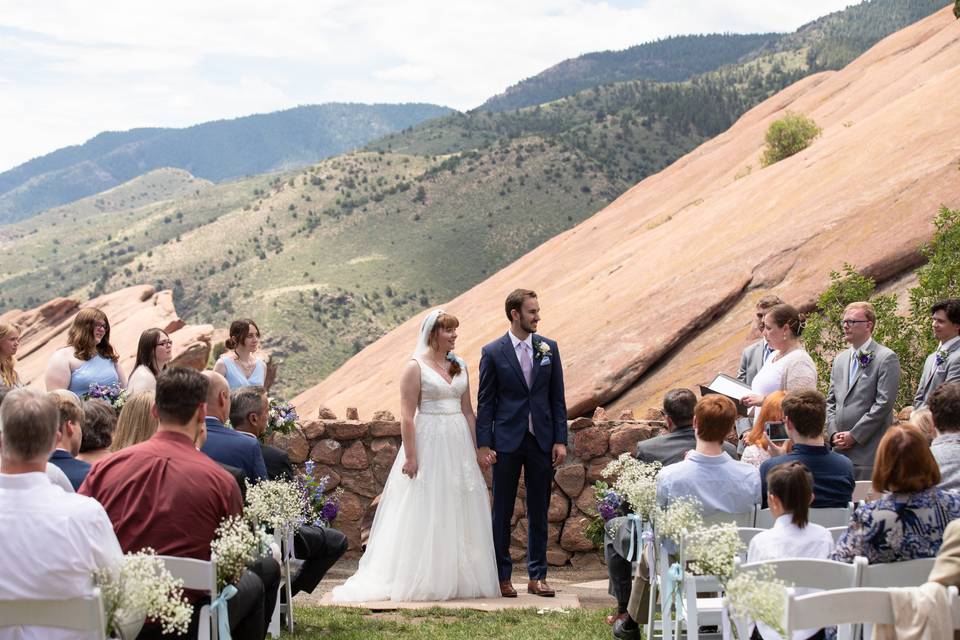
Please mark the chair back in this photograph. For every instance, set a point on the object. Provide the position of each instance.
(837, 607)
(836, 532)
(809, 573)
(909, 573)
(199, 575)
(824, 516)
(745, 519)
(75, 614)
(747, 534)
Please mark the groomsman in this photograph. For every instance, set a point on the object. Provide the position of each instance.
(863, 389)
(943, 365)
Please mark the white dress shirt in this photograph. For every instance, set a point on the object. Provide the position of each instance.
(52, 543)
(59, 478)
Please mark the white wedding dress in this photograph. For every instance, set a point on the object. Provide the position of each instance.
(431, 537)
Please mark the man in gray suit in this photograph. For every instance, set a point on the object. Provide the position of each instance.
(943, 365)
(863, 389)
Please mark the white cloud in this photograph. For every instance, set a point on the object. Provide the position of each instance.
(70, 70)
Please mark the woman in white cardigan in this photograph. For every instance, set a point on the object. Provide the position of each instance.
(789, 367)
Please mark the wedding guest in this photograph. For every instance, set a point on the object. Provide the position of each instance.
(864, 383)
(318, 547)
(790, 368)
(56, 476)
(923, 420)
(945, 409)
(69, 437)
(804, 413)
(755, 356)
(907, 522)
(242, 368)
(137, 421)
(9, 343)
(99, 423)
(943, 365)
(88, 358)
(946, 568)
(225, 444)
(166, 495)
(756, 441)
(720, 483)
(237, 474)
(52, 541)
(154, 352)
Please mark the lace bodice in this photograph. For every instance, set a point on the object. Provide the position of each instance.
(437, 396)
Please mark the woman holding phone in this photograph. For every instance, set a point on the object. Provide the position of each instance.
(770, 417)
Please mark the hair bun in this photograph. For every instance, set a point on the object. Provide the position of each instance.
(230, 343)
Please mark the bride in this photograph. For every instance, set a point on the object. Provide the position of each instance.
(431, 537)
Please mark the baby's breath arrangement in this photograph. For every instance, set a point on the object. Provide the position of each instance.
(756, 595)
(637, 482)
(277, 504)
(682, 514)
(713, 549)
(141, 585)
(234, 546)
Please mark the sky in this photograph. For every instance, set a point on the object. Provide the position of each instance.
(70, 69)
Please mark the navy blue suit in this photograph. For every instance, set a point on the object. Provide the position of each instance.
(236, 449)
(75, 470)
(505, 406)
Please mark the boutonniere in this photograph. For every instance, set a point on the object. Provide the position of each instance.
(864, 358)
(541, 348)
(941, 356)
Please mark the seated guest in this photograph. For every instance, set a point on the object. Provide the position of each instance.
(9, 344)
(235, 473)
(907, 522)
(804, 413)
(225, 444)
(923, 420)
(137, 421)
(166, 495)
(56, 476)
(946, 568)
(790, 368)
(242, 368)
(319, 547)
(88, 358)
(99, 423)
(69, 437)
(52, 541)
(944, 406)
(943, 365)
(720, 483)
(756, 441)
(673, 446)
(789, 494)
(154, 352)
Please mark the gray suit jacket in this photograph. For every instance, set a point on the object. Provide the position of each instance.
(865, 408)
(751, 360)
(672, 447)
(934, 376)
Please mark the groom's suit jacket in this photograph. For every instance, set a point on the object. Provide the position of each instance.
(865, 407)
(751, 361)
(504, 401)
(934, 376)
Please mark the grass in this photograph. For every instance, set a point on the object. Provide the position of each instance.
(442, 624)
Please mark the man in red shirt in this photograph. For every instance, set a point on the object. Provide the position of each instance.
(166, 495)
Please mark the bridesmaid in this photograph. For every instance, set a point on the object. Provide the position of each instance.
(88, 358)
(239, 365)
(154, 352)
(9, 343)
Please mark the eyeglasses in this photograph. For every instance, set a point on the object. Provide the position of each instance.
(165, 343)
(99, 325)
(850, 323)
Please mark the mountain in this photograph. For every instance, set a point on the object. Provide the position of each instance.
(671, 59)
(656, 290)
(217, 151)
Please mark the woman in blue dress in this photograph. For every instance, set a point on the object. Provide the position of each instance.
(239, 365)
(88, 358)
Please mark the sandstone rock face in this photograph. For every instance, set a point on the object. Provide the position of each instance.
(355, 457)
(294, 443)
(591, 442)
(571, 478)
(327, 451)
(716, 231)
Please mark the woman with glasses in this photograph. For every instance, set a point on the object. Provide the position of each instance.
(154, 353)
(88, 358)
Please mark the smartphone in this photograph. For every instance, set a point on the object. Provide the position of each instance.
(776, 431)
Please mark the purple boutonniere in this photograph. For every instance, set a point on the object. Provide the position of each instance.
(864, 358)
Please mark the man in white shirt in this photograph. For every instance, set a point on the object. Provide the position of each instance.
(52, 541)
(943, 365)
(57, 477)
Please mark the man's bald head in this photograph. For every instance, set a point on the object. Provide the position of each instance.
(218, 396)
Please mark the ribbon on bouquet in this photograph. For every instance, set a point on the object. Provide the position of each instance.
(634, 524)
(671, 590)
(219, 606)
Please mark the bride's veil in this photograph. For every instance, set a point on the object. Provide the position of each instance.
(423, 344)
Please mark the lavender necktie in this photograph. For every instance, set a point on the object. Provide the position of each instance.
(526, 364)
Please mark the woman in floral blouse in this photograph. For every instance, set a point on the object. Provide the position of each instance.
(908, 520)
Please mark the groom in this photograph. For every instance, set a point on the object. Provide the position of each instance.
(521, 424)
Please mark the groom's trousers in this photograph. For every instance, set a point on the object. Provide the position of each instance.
(537, 467)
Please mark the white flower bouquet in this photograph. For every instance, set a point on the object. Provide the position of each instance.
(140, 586)
(278, 504)
(681, 515)
(635, 481)
(758, 596)
(712, 550)
(234, 546)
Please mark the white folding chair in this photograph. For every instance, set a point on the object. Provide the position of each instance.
(747, 534)
(837, 607)
(836, 532)
(745, 519)
(831, 516)
(75, 614)
(863, 491)
(198, 575)
(283, 610)
(908, 573)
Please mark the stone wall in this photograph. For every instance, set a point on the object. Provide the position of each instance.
(358, 455)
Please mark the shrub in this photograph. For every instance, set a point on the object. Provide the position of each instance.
(787, 136)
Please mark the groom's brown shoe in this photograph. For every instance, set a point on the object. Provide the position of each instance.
(507, 590)
(540, 588)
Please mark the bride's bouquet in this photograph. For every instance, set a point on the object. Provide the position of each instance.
(141, 587)
(321, 506)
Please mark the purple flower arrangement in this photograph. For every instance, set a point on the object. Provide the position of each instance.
(322, 506)
(282, 417)
(941, 357)
(610, 504)
(864, 358)
(110, 393)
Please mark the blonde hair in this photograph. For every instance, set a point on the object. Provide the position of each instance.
(136, 423)
(923, 420)
(8, 373)
(869, 312)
